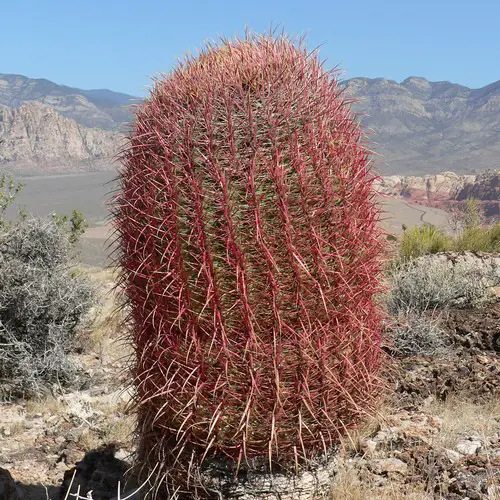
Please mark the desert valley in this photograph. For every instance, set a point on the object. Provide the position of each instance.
(436, 145)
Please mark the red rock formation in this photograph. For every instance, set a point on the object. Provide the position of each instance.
(447, 190)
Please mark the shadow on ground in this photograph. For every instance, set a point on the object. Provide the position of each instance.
(100, 472)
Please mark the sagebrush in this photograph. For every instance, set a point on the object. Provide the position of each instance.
(436, 282)
(418, 333)
(42, 303)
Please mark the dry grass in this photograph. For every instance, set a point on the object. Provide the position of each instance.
(99, 274)
(90, 440)
(462, 419)
(102, 338)
(119, 430)
(13, 429)
(49, 405)
(347, 486)
(115, 431)
(352, 442)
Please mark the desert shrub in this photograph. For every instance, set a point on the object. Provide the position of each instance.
(8, 191)
(494, 237)
(431, 282)
(420, 287)
(472, 235)
(473, 239)
(478, 239)
(74, 225)
(424, 240)
(470, 214)
(421, 240)
(42, 303)
(418, 334)
(39, 242)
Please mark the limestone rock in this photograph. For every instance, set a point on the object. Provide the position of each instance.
(452, 455)
(389, 466)
(35, 137)
(468, 447)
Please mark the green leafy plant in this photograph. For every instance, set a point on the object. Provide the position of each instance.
(472, 235)
(421, 240)
(75, 225)
(8, 192)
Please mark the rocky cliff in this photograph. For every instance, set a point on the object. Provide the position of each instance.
(35, 138)
(446, 190)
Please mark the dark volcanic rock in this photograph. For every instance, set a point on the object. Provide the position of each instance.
(8, 487)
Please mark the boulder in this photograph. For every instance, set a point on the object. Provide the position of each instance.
(468, 447)
(389, 466)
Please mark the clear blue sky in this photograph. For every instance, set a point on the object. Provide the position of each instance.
(120, 44)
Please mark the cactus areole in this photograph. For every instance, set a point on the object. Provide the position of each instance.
(250, 250)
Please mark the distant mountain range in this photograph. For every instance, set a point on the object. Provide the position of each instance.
(418, 127)
(103, 109)
(423, 127)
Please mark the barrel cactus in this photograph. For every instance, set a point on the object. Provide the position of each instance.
(250, 255)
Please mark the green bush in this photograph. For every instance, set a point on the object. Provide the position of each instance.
(472, 236)
(8, 192)
(494, 236)
(478, 239)
(75, 225)
(472, 239)
(421, 240)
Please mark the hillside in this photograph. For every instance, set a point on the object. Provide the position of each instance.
(93, 108)
(418, 127)
(35, 138)
(423, 127)
(446, 190)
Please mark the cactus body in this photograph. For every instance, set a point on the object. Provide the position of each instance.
(250, 255)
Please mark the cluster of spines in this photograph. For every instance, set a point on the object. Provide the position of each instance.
(250, 251)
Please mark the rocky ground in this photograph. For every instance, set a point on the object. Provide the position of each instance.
(437, 436)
